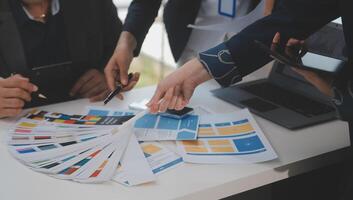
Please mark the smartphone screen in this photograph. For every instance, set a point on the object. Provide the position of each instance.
(309, 61)
(322, 63)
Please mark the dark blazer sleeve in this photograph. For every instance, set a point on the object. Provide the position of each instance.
(292, 18)
(112, 27)
(344, 102)
(139, 19)
(343, 91)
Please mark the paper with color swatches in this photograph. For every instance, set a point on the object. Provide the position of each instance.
(151, 127)
(86, 149)
(228, 138)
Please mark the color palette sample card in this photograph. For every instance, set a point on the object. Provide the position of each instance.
(134, 168)
(66, 147)
(106, 111)
(228, 138)
(160, 158)
(77, 119)
(154, 127)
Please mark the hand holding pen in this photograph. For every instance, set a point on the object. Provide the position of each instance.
(120, 87)
(14, 92)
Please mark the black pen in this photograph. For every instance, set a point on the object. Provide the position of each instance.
(117, 90)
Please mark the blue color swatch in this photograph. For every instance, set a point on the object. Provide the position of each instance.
(249, 144)
(189, 122)
(98, 112)
(27, 150)
(186, 135)
(168, 123)
(147, 121)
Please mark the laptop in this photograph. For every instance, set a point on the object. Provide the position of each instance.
(285, 97)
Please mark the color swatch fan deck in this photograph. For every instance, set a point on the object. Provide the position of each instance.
(86, 149)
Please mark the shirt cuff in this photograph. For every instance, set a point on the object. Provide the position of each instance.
(219, 64)
(343, 100)
(341, 94)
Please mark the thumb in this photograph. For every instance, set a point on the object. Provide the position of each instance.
(124, 74)
(110, 72)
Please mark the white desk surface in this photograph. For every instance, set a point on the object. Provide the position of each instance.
(296, 151)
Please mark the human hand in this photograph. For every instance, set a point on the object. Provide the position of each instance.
(92, 85)
(175, 91)
(14, 92)
(323, 84)
(118, 65)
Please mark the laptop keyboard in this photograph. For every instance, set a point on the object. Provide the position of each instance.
(288, 99)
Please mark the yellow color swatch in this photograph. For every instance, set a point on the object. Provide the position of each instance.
(150, 149)
(59, 121)
(92, 118)
(103, 165)
(235, 129)
(191, 149)
(219, 142)
(223, 149)
(206, 131)
(28, 125)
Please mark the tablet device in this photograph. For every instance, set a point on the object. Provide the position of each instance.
(54, 81)
(307, 60)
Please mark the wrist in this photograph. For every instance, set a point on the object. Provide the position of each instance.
(199, 73)
(127, 42)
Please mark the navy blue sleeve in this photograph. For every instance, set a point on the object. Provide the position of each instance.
(139, 19)
(344, 101)
(226, 73)
(343, 90)
(292, 18)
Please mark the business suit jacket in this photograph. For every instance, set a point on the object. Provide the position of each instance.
(92, 29)
(178, 14)
(299, 19)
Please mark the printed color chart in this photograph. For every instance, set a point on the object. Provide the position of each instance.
(228, 138)
(156, 127)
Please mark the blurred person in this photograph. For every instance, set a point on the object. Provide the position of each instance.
(185, 43)
(228, 62)
(35, 33)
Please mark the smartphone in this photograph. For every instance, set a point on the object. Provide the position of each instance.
(178, 114)
(308, 61)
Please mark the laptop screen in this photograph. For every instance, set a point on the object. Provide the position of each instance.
(286, 71)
